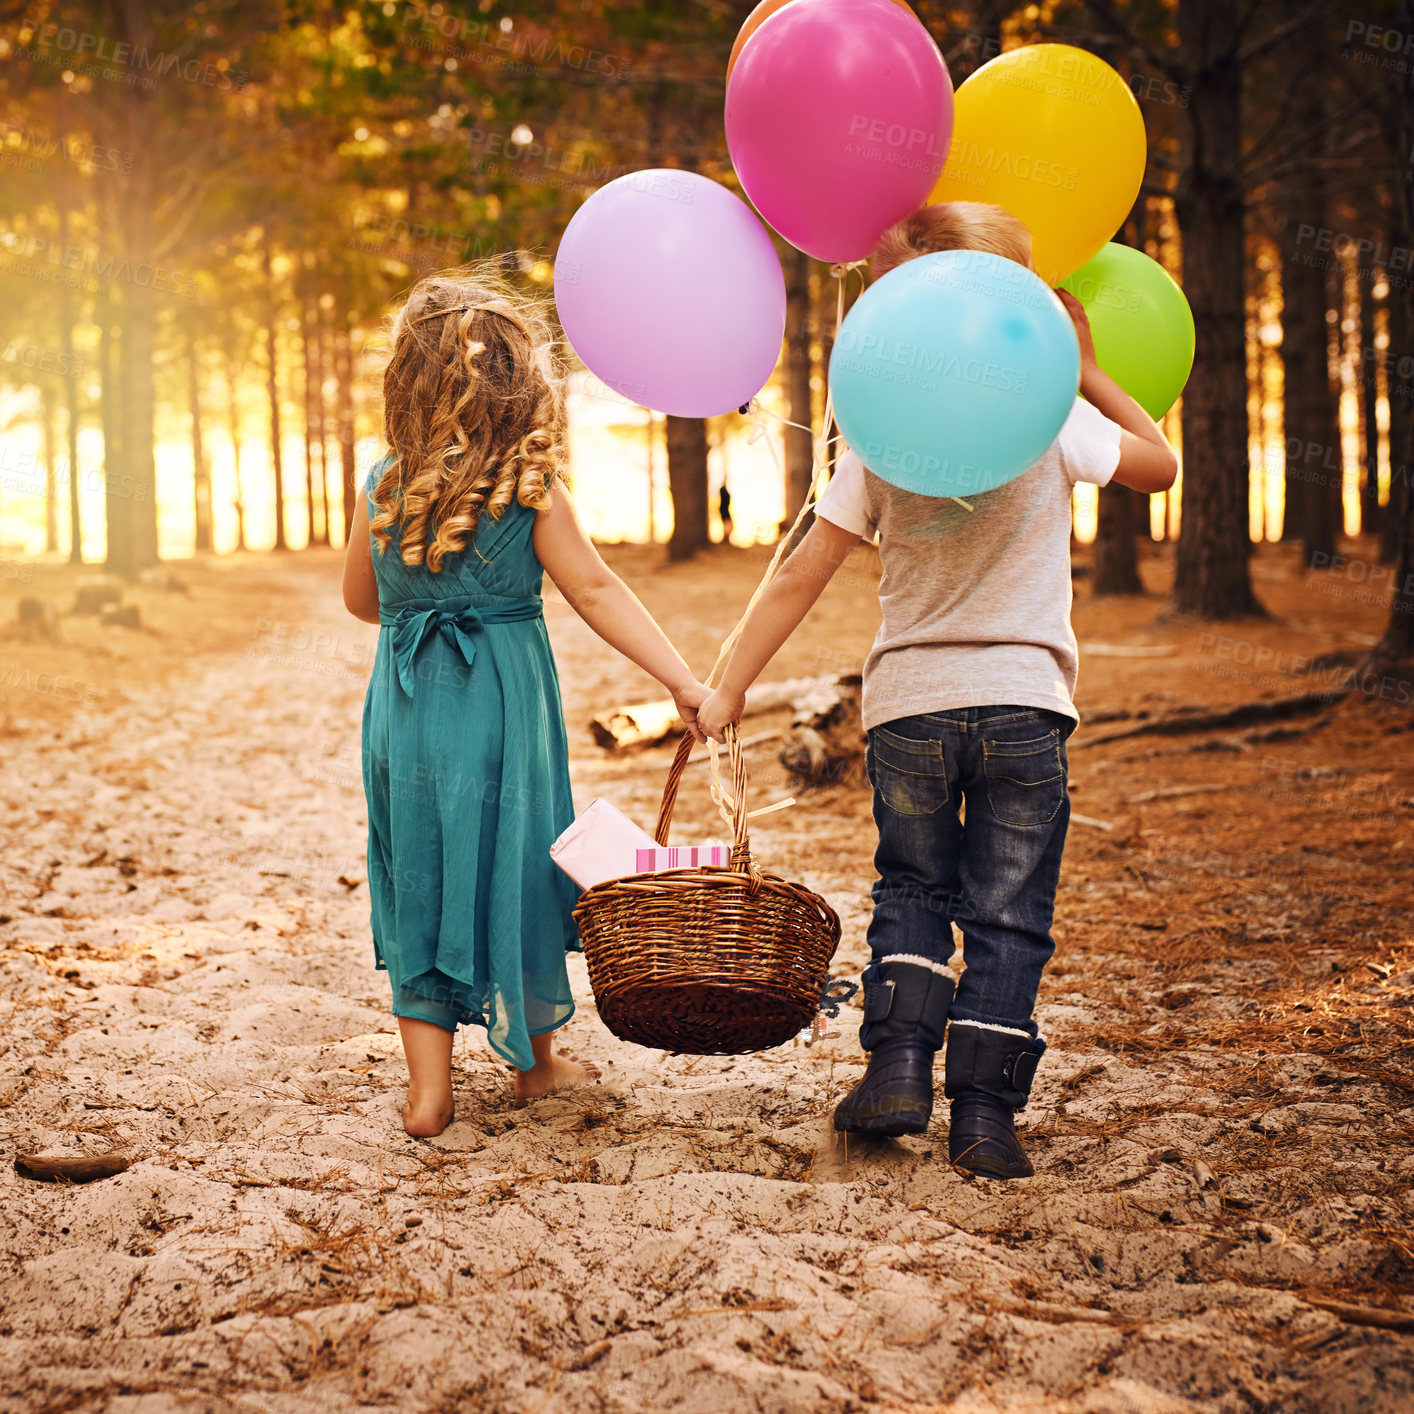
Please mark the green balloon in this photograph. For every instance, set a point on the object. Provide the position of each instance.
(1141, 322)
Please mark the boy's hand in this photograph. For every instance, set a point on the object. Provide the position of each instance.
(720, 710)
(688, 699)
(1081, 320)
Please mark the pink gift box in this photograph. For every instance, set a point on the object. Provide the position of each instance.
(599, 845)
(682, 857)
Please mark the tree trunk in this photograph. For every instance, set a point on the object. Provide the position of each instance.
(1313, 466)
(687, 483)
(136, 311)
(316, 331)
(201, 472)
(119, 558)
(1326, 521)
(1398, 642)
(305, 336)
(1315, 471)
(51, 472)
(274, 394)
(139, 410)
(1369, 391)
(1122, 514)
(829, 313)
(823, 302)
(343, 354)
(233, 424)
(71, 404)
(799, 452)
(1212, 578)
(984, 38)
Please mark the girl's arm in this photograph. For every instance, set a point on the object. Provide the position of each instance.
(608, 605)
(787, 600)
(360, 582)
(1146, 461)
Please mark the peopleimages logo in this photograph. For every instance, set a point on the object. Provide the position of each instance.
(879, 357)
(969, 162)
(82, 47)
(1104, 294)
(914, 140)
(71, 263)
(893, 144)
(905, 462)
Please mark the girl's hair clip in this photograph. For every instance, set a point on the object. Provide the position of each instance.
(438, 313)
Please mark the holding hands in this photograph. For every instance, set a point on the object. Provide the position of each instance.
(720, 710)
(689, 698)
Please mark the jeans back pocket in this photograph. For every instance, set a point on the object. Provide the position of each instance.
(911, 777)
(1025, 779)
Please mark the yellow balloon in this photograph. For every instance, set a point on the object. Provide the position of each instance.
(1054, 135)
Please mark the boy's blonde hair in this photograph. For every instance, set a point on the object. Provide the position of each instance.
(952, 225)
(473, 410)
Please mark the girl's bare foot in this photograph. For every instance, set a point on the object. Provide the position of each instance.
(553, 1071)
(427, 1116)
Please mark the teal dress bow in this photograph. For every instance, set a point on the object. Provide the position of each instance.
(458, 625)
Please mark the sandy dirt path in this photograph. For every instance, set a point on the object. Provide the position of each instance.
(1224, 1214)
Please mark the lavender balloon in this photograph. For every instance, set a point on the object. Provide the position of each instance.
(671, 292)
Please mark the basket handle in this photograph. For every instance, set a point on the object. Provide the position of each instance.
(741, 842)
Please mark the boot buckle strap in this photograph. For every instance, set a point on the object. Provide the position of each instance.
(1019, 1069)
(878, 1000)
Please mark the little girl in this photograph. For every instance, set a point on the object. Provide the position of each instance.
(465, 760)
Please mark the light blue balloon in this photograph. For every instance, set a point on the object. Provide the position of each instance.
(954, 372)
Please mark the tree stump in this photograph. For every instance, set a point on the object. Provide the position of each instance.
(826, 741)
(119, 616)
(160, 577)
(37, 618)
(93, 591)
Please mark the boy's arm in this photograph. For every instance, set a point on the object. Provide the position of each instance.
(1146, 461)
(360, 582)
(779, 610)
(608, 605)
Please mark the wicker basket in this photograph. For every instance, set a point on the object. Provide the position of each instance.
(712, 960)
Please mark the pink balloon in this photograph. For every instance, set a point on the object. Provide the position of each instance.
(839, 114)
(671, 292)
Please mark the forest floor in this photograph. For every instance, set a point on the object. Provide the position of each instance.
(1223, 1216)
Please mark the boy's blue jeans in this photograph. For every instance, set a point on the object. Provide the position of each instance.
(994, 875)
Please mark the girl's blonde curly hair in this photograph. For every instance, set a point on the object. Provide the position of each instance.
(473, 409)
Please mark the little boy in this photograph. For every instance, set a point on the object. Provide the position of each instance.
(967, 699)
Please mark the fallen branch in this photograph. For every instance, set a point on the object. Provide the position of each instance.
(1365, 1315)
(1174, 792)
(45, 1168)
(1243, 715)
(592, 1356)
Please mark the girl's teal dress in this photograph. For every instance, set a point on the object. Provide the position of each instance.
(466, 769)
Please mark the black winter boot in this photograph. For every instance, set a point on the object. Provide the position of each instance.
(988, 1077)
(906, 1003)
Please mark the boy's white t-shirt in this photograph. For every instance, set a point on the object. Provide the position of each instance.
(976, 603)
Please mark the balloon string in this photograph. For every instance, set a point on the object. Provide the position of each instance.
(820, 462)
